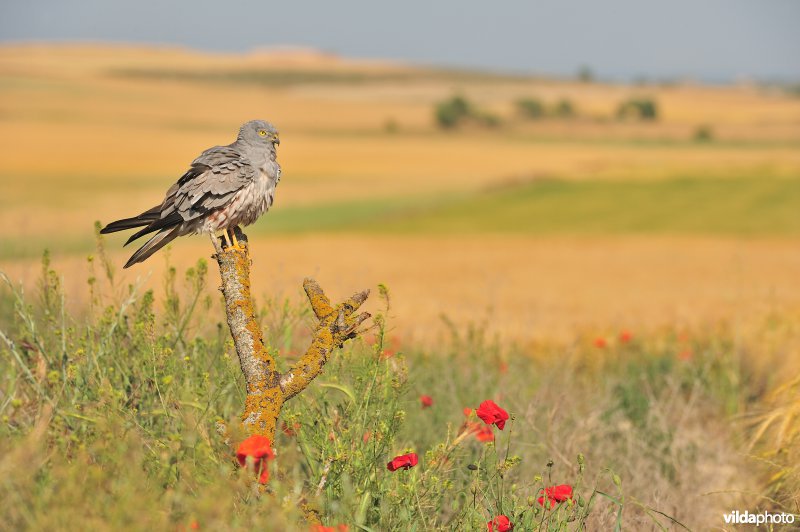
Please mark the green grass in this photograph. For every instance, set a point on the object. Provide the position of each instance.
(748, 206)
(108, 421)
(338, 216)
(733, 206)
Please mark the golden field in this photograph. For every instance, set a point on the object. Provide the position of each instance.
(627, 288)
(95, 132)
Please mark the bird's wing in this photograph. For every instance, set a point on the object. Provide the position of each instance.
(213, 179)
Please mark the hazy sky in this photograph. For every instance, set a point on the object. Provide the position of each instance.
(705, 39)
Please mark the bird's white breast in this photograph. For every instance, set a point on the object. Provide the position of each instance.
(249, 203)
(259, 195)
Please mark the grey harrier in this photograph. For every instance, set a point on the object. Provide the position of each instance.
(225, 186)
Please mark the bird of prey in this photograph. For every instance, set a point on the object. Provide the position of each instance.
(224, 187)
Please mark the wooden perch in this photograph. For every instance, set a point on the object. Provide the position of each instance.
(267, 388)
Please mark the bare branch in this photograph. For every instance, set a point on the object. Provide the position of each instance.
(357, 299)
(334, 328)
(320, 303)
(267, 389)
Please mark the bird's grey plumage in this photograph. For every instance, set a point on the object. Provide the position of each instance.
(224, 187)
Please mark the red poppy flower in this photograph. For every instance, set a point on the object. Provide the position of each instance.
(491, 414)
(501, 523)
(600, 342)
(258, 448)
(555, 494)
(484, 433)
(404, 461)
(467, 411)
(320, 528)
(426, 400)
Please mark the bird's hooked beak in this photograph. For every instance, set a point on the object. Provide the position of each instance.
(276, 140)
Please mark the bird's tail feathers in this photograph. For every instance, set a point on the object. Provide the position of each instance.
(159, 223)
(146, 218)
(158, 241)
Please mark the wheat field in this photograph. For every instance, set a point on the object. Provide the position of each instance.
(90, 132)
(626, 288)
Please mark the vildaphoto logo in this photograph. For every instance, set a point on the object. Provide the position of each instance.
(748, 518)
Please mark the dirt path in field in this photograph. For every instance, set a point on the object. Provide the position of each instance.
(523, 288)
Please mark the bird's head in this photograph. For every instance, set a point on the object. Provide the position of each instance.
(259, 132)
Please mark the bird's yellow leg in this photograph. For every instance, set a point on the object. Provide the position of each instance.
(236, 243)
(227, 238)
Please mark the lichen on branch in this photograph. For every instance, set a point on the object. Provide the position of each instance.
(267, 388)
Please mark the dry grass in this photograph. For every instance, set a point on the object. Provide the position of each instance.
(523, 288)
(137, 396)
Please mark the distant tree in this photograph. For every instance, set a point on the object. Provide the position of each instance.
(391, 125)
(564, 109)
(585, 74)
(452, 111)
(648, 109)
(638, 108)
(530, 108)
(703, 133)
(456, 110)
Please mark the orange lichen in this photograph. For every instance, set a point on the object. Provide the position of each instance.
(267, 388)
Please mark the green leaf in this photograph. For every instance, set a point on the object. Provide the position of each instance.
(344, 389)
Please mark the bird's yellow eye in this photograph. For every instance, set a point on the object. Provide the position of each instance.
(262, 132)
